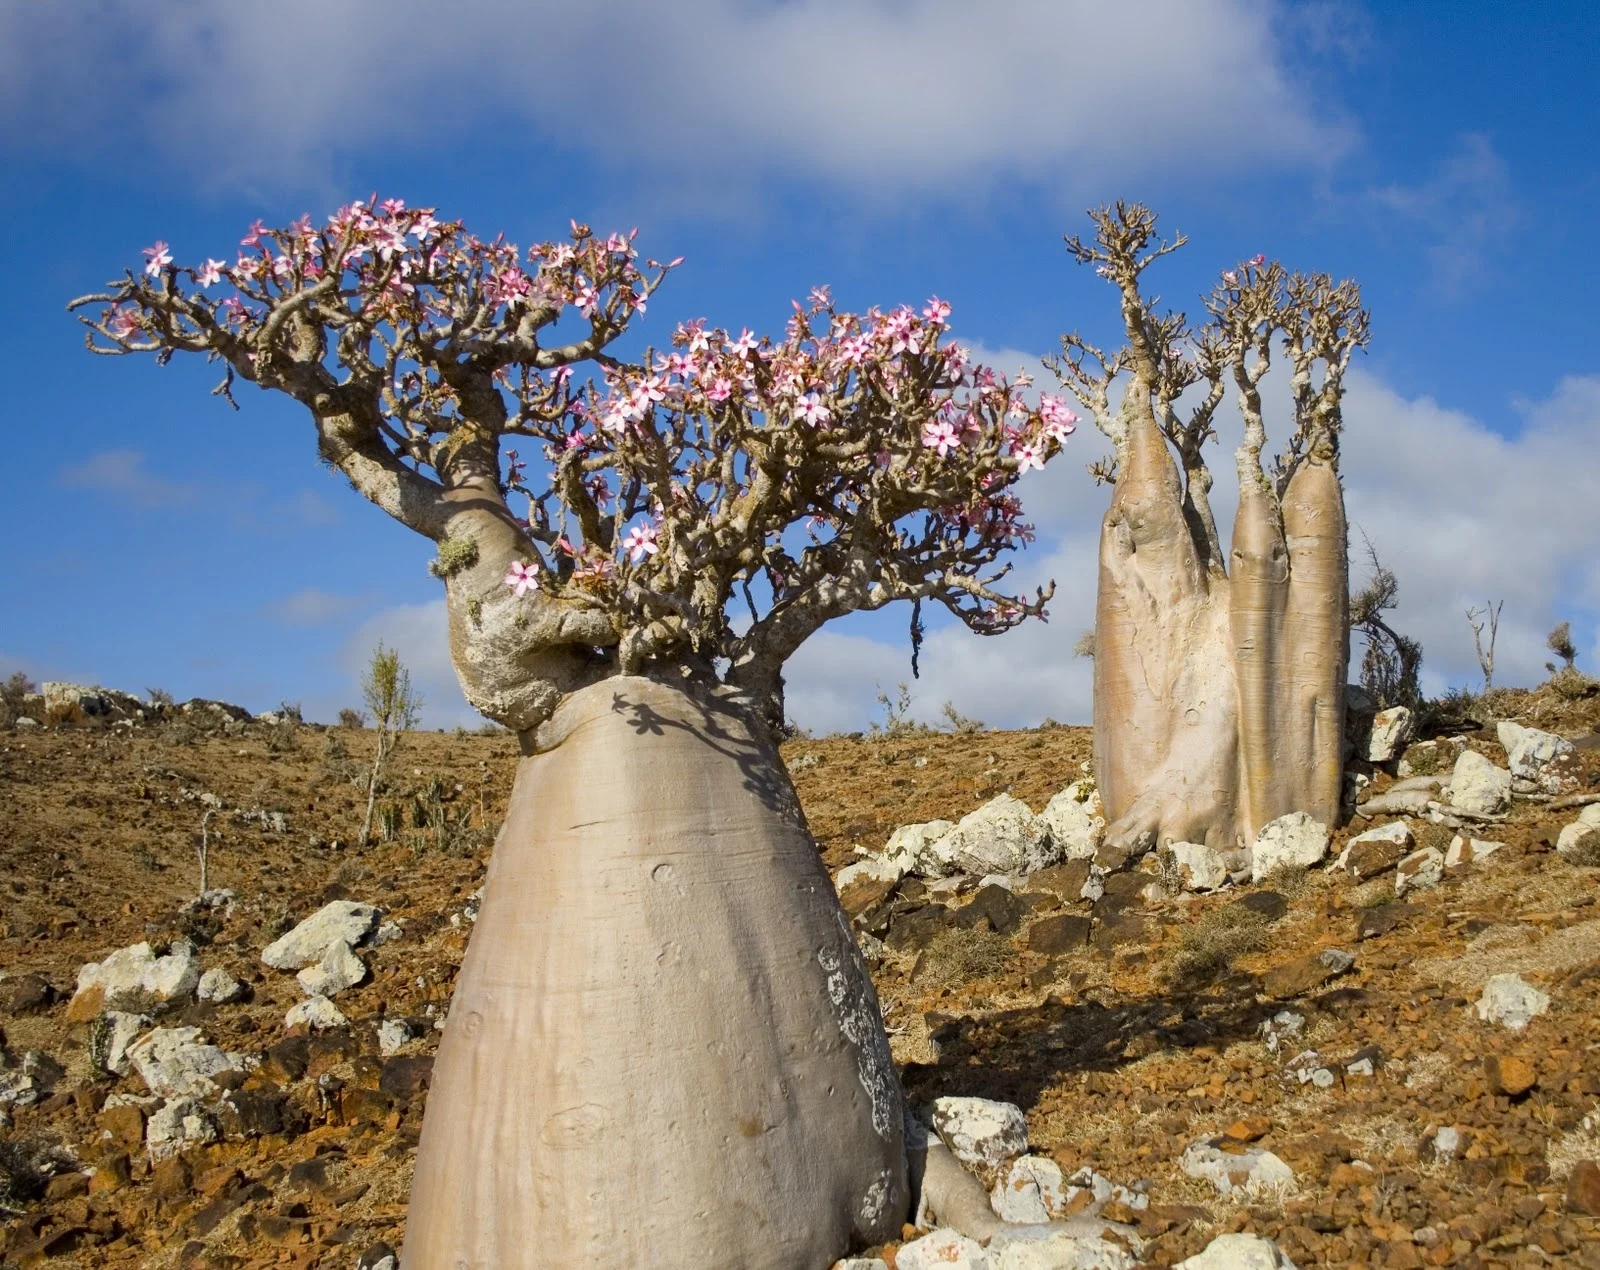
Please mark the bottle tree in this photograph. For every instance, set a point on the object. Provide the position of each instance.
(1218, 677)
(663, 1046)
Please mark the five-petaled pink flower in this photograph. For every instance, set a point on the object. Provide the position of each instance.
(811, 409)
(1059, 420)
(1028, 456)
(253, 238)
(521, 578)
(641, 542)
(210, 272)
(936, 311)
(156, 259)
(123, 323)
(745, 344)
(940, 435)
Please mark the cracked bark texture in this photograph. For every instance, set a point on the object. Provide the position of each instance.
(1218, 688)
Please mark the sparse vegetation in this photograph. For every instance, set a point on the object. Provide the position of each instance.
(1480, 620)
(958, 722)
(12, 691)
(395, 708)
(1571, 684)
(1559, 642)
(1391, 666)
(960, 955)
(355, 720)
(1210, 946)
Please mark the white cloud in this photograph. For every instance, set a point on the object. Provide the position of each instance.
(311, 607)
(122, 474)
(881, 95)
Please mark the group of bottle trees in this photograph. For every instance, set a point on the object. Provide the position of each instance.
(663, 1047)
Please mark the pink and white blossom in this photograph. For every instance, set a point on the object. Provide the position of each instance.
(156, 259)
(640, 541)
(522, 578)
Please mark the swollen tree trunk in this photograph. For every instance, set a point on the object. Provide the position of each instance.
(663, 1048)
(1219, 698)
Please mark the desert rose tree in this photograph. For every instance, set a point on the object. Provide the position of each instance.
(663, 1047)
(1218, 681)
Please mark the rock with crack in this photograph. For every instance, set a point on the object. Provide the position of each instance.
(1391, 730)
(316, 1013)
(116, 1032)
(1251, 1172)
(1477, 786)
(1238, 1252)
(1076, 821)
(174, 1062)
(1469, 851)
(1511, 1002)
(340, 922)
(179, 1124)
(1031, 1188)
(1297, 840)
(980, 1132)
(1002, 836)
(338, 969)
(1419, 870)
(909, 848)
(134, 978)
(1534, 755)
(1200, 868)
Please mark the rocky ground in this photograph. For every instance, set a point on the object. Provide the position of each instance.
(1158, 1036)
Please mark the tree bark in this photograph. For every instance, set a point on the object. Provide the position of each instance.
(663, 1048)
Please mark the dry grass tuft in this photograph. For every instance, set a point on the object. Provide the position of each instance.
(1210, 946)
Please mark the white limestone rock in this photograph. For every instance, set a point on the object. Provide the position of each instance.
(1238, 1252)
(1202, 868)
(121, 1030)
(871, 868)
(1031, 1188)
(860, 1263)
(909, 847)
(339, 969)
(1251, 1172)
(179, 1124)
(1002, 836)
(1530, 752)
(1510, 1002)
(219, 987)
(393, 1036)
(981, 1133)
(1419, 870)
(1469, 851)
(317, 1013)
(1390, 731)
(1076, 821)
(174, 1062)
(1478, 786)
(134, 978)
(1297, 840)
(942, 1249)
(341, 922)
(1582, 834)
(1046, 1249)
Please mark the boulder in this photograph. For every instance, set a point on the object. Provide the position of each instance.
(1069, 882)
(179, 1124)
(111, 1051)
(871, 869)
(1387, 738)
(1477, 786)
(1031, 1188)
(1297, 840)
(1238, 1252)
(942, 1249)
(1059, 933)
(1376, 851)
(1419, 870)
(1075, 820)
(317, 1013)
(1202, 868)
(339, 969)
(174, 1062)
(1046, 1249)
(1002, 836)
(1582, 836)
(219, 987)
(1530, 752)
(134, 978)
(908, 847)
(1469, 851)
(1510, 1002)
(1250, 1171)
(995, 906)
(981, 1133)
(341, 922)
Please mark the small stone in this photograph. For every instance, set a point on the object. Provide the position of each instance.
(27, 994)
(1419, 870)
(1376, 851)
(1250, 1171)
(1530, 752)
(1059, 933)
(1238, 1252)
(121, 1029)
(339, 969)
(316, 1013)
(1075, 821)
(980, 1132)
(1248, 1129)
(393, 1035)
(1583, 1189)
(1030, 1189)
(1510, 1002)
(1297, 840)
(994, 905)
(219, 987)
(942, 1249)
(861, 1263)
(341, 922)
(1053, 1249)
(1446, 1143)
(1201, 868)
(1509, 1075)
(1002, 836)
(1582, 836)
(179, 1124)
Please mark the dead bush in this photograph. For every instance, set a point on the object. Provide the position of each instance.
(960, 955)
(1210, 946)
(26, 1167)
(1571, 684)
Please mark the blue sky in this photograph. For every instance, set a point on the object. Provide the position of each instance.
(1443, 154)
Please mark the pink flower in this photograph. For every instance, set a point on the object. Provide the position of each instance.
(742, 346)
(1027, 456)
(1059, 420)
(1258, 261)
(719, 390)
(156, 259)
(940, 435)
(820, 298)
(424, 226)
(253, 238)
(586, 297)
(394, 206)
(641, 542)
(811, 409)
(210, 272)
(123, 323)
(1229, 276)
(639, 299)
(522, 579)
(936, 311)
